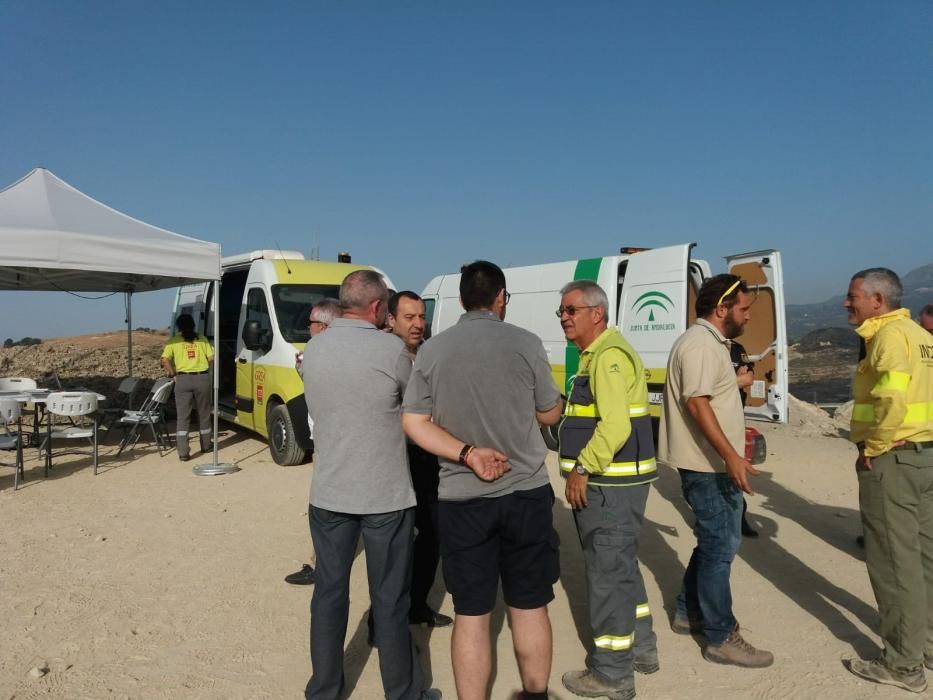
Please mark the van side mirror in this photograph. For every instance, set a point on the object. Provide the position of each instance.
(254, 336)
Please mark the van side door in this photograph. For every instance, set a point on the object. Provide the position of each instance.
(255, 331)
(765, 335)
(653, 309)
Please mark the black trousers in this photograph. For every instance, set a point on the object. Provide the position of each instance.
(387, 541)
(425, 476)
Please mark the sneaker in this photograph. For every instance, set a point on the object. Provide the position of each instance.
(305, 577)
(585, 684)
(737, 652)
(875, 670)
(682, 624)
(646, 662)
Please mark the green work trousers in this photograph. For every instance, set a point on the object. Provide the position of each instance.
(896, 500)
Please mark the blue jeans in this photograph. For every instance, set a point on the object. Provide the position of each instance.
(706, 595)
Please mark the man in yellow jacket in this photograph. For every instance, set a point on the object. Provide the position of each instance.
(607, 456)
(892, 424)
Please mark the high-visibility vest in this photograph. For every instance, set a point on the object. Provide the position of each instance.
(634, 462)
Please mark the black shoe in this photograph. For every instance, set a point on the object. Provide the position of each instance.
(184, 458)
(305, 577)
(429, 617)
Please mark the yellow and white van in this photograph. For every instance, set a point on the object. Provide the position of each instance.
(265, 298)
(652, 293)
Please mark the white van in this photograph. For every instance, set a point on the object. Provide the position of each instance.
(265, 298)
(651, 301)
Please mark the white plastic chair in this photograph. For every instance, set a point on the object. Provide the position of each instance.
(17, 383)
(10, 415)
(79, 407)
(152, 414)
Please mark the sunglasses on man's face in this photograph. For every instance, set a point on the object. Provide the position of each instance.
(571, 310)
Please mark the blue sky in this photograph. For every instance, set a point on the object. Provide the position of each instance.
(420, 135)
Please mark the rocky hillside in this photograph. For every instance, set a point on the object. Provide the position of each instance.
(96, 362)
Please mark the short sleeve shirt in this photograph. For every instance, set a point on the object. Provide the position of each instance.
(699, 365)
(355, 378)
(189, 357)
(482, 381)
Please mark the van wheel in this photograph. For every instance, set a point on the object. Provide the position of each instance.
(282, 441)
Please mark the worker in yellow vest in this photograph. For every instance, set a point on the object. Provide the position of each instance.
(892, 425)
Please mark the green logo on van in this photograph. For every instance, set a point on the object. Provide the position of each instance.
(656, 304)
(652, 300)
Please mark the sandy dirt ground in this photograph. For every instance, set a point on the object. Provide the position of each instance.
(149, 582)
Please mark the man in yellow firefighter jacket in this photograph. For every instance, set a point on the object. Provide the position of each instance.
(607, 457)
(892, 424)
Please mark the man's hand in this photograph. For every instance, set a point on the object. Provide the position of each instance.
(488, 464)
(575, 490)
(738, 468)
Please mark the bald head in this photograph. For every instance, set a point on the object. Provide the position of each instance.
(363, 295)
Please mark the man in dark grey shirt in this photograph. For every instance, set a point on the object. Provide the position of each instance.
(476, 396)
(355, 377)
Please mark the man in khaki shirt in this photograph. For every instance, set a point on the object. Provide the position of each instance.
(703, 436)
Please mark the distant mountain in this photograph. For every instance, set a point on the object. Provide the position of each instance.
(804, 318)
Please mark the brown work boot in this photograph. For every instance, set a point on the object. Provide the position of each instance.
(876, 671)
(646, 661)
(585, 684)
(737, 652)
(681, 624)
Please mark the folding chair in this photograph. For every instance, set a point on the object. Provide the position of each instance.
(79, 408)
(122, 402)
(152, 414)
(11, 414)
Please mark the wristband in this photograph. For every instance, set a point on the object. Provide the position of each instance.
(465, 454)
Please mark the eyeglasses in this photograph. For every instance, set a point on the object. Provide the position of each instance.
(572, 310)
(321, 323)
(507, 297)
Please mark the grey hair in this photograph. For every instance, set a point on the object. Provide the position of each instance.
(326, 310)
(593, 294)
(361, 288)
(881, 280)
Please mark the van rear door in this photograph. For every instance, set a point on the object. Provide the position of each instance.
(765, 335)
(653, 308)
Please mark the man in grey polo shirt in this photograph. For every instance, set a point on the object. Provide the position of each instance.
(355, 377)
(477, 394)
(702, 435)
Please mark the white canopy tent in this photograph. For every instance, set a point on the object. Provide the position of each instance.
(55, 238)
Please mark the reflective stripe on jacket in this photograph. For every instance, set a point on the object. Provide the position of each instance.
(633, 461)
(893, 386)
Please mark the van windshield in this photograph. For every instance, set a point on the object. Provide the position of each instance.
(293, 303)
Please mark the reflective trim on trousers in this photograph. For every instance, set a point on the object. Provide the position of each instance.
(613, 643)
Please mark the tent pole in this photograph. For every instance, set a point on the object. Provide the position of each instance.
(129, 333)
(216, 302)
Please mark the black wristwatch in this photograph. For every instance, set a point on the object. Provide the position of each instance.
(580, 469)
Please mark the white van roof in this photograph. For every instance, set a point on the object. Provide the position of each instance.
(243, 258)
